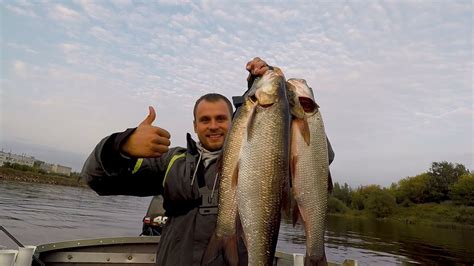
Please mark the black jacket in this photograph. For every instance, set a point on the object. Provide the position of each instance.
(187, 231)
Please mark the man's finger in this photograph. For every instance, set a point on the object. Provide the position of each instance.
(162, 132)
(161, 141)
(251, 64)
(160, 148)
(150, 117)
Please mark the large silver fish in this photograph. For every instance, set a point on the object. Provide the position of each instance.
(225, 237)
(264, 168)
(309, 172)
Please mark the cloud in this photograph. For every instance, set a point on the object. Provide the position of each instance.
(100, 13)
(20, 68)
(65, 14)
(22, 47)
(69, 47)
(21, 10)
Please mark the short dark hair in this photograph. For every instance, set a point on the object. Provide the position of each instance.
(212, 97)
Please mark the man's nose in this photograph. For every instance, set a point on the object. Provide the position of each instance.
(214, 124)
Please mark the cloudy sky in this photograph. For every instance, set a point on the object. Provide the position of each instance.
(393, 78)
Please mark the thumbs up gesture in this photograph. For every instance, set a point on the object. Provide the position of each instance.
(147, 140)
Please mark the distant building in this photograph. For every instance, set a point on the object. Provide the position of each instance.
(8, 157)
(56, 168)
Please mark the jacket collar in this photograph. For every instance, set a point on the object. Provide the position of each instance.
(191, 145)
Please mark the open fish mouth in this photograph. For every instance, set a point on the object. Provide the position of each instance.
(309, 106)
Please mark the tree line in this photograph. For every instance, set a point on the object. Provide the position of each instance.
(444, 181)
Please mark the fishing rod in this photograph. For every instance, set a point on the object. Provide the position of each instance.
(37, 260)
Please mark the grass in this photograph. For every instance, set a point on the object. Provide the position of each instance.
(445, 215)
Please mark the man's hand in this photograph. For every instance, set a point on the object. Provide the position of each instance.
(147, 140)
(257, 67)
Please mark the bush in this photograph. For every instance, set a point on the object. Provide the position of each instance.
(465, 216)
(336, 206)
(406, 203)
(380, 203)
(463, 191)
(343, 193)
(361, 194)
(357, 201)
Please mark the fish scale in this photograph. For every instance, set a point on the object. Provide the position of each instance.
(225, 236)
(227, 194)
(310, 175)
(263, 170)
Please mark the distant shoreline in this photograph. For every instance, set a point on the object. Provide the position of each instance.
(8, 174)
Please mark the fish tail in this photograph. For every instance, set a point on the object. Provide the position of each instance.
(315, 260)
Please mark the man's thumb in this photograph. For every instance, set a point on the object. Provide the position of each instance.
(150, 117)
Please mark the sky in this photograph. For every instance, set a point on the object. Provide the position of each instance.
(394, 79)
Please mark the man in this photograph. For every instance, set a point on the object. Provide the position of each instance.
(139, 162)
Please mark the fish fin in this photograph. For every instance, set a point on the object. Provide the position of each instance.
(235, 176)
(212, 250)
(228, 246)
(240, 230)
(330, 186)
(294, 160)
(250, 121)
(304, 129)
(297, 215)
(315, 260)
(231, 252)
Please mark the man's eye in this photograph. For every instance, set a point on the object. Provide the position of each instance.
(221, 119)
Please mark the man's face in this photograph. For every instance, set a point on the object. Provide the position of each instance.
(211, 123)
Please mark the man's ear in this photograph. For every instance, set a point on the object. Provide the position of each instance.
(194, 124)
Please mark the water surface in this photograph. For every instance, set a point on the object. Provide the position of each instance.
(40, 213)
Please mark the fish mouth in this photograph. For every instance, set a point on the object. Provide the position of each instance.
(309, 106)
(266, 105)
(254, 99)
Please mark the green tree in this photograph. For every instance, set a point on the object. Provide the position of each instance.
(343, 193)
(361, 194)
(442, 175)
(463, 190)
(336, 206)
(414, 189)
(380, 203)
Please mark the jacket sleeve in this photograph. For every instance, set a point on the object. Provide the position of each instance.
(108, 172)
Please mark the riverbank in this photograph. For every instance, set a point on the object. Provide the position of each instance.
(8, 174)
(445, 215)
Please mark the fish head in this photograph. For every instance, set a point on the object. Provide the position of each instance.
(305, 95)
(296, 108)
(267, 89)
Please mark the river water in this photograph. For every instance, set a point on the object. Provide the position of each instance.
(39, 213)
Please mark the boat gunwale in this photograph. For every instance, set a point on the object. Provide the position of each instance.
(97, 242)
